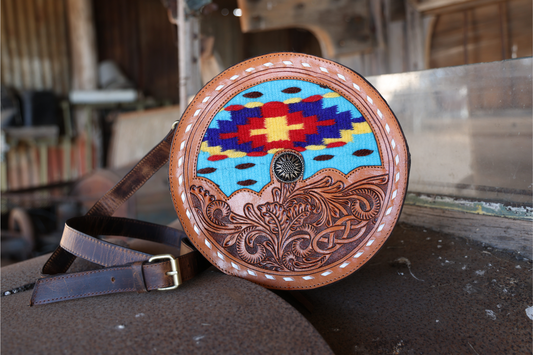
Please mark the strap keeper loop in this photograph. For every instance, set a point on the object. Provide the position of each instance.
(138, 277)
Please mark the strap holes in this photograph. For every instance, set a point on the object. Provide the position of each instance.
(113, 280)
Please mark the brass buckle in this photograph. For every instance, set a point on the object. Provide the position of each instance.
(175, 273)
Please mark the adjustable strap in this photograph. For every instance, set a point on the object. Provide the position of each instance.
(61, 260)
(124, 269)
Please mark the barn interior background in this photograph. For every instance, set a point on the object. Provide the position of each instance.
(89, 86)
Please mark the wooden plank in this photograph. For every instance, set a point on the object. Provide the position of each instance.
(43, 164)
(380, 51)
(66, 158)
(520, 28)
(3, 174)
(82, 44)
(429, 25)
(74, 160)
(415, 36)
(6, 56)
(13, 181)
(8, 6)
(42, 23)
(24, 38)
(33, 47)
(25, 173)
(484, 34)
(439, 7)
(34, 165)
(65, 60)
(81, 157)
(195, 83)
(55, 47)
(54, 169)
(503, 233)
(130, 15)
(183, 58)
(119, 30)
(158, 76)
(88, 143)
(504, 30)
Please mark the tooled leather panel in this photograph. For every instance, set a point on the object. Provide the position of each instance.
(304, 226)
(301, 234)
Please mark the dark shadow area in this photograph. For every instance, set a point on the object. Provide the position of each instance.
(472, 300)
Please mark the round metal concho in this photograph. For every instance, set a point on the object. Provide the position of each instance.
(288, 167)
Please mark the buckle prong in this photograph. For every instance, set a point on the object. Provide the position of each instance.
(175, 272)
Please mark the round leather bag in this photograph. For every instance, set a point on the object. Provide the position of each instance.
(288, 170)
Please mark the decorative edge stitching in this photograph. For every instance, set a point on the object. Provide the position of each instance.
(392, 142)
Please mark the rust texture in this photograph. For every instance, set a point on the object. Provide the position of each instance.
(34, 45)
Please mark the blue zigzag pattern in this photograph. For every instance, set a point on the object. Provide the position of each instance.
(343, 121)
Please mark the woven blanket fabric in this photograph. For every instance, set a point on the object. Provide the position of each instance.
(327, 129)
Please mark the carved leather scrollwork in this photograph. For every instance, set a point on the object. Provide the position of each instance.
(302, 229)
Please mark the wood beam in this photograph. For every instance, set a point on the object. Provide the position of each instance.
(439, 7)
(82, 45)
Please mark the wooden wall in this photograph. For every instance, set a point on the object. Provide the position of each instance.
(497, 31)
(34, 53)
(137, 35)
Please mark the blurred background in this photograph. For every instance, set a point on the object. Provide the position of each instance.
(90, 86)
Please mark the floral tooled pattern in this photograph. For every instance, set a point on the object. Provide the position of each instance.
(304, 228)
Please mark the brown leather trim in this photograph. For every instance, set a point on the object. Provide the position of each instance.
(208, 102)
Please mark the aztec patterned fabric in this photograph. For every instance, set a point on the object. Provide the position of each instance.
(327, 130)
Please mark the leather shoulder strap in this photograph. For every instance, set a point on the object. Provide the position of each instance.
(61, 259)
(123, 269)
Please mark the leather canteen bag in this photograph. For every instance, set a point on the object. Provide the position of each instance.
(287, 170)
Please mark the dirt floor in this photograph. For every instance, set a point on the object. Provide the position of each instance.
(428, 293)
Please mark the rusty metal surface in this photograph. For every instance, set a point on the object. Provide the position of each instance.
(34, 51)
(472, 300)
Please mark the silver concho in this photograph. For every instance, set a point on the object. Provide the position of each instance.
(288, 167)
